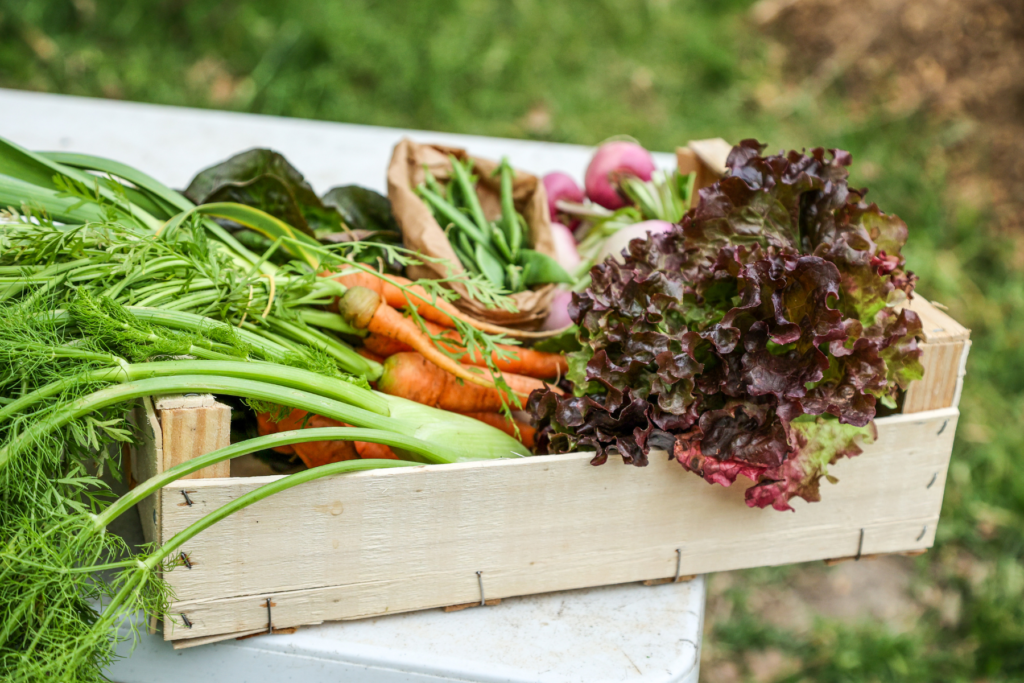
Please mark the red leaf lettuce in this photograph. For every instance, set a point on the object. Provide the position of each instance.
(775, 299)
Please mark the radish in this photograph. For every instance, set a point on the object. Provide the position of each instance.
(559, 315)
(613, 159)
(565, 248)
(618, 241)
(561, 187)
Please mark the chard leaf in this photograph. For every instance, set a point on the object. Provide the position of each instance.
(264, 179)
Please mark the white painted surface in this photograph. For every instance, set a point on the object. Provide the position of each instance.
(630, 633)
(174, 143)
(618, 633)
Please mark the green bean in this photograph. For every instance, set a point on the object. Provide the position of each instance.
(451, 213)
(466, 187)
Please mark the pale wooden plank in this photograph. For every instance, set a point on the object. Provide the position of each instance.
(943, 364)
(147, 461)
(939, 327)
(197, 426)
(713, 152)
(386, 541)
(175, 401)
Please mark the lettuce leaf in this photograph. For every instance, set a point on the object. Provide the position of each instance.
(755, 338)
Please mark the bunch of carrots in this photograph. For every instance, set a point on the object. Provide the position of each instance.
(415, 368)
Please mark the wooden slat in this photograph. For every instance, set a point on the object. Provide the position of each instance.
(193, 425)
(944, 366)
(389, 541)
(945, 345)
(706, 158)
(939, 327)
(147, 461)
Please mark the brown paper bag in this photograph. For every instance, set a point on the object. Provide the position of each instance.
(422, 233)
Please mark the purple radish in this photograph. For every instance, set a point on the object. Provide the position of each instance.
(559, 315)
(565, 248)
(613, 159)
(561, 187)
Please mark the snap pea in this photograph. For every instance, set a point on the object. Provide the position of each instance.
(468, 191)
(501, 244)
(513, 236)
(443, 207)
(432, 184)
(490, 265)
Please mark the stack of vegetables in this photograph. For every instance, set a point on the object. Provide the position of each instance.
(757, 334)
(114, 287)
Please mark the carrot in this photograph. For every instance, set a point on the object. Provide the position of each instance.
(370, 354)
(526, 432)
(369, 451)
(519, 361)
(411, 376)
(316, 453)
(434, 309)
(364, 308)
(382, 346)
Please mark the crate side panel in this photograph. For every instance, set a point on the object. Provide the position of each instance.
(942, 375)
(189, 432)
(147, 461)
(543, 524)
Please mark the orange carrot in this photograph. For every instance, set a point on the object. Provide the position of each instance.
(434, 309)
(519, 361)
(411, 376)
(370, 451)
(382, 346)
(363, 308)
(370, 354)
(526, 432)
(316, 453)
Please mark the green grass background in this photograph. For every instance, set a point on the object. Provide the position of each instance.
(663, 71)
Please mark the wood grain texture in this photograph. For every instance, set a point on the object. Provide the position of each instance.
(147, 460)
(944, 367)
(390, 541)
(192, 426)
(939, 327)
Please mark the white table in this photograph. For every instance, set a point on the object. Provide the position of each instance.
(618, 633)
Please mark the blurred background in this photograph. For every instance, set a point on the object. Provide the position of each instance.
(928, 95)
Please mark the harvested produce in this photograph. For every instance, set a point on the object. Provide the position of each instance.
(411, 376)
(514, 359)
(565, 248)
(561, 187)
(612, 162)
(615, 244)
(514, 428)
(755, 338)
(115, 287)
(401, 292)
(319, 453)
(497, 250)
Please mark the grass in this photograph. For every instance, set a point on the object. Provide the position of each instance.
(664, 72)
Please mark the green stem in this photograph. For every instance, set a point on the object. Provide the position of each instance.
(145, 489)
(192, 322)
(270, 373)
(200, 384)
(349, 360)
(262, 492)
(330, 321)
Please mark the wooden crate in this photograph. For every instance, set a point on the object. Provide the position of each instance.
(381, 542)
